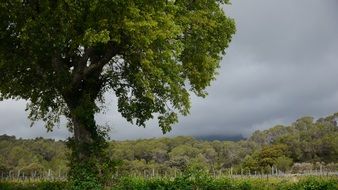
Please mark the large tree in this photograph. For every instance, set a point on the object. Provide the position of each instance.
(64, 55)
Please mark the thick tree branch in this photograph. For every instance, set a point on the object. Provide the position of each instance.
(60, 69)
(80, 65)
(97, 63)
(112, 50)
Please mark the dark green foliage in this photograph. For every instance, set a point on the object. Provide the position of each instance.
(268, 155)
(94, 172)
(307, 140)
(60, 55)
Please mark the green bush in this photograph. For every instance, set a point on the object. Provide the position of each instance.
(193, 181)
(205, 182)
(317, 184)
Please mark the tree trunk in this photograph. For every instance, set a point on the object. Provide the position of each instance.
(81, 129)
(89, 163)
(83, 136)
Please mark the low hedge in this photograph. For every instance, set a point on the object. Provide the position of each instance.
(192, 183)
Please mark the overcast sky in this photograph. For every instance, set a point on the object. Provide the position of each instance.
(281, 65)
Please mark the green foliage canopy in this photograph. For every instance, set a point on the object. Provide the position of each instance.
(62, 54)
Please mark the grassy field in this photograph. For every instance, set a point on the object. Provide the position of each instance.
(192, 182)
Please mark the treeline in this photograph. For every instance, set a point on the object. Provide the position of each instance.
(305, 145)
(32, 157)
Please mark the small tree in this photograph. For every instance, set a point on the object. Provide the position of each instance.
(284, 163)
(269, 154)
(63, 56)
(250, 163)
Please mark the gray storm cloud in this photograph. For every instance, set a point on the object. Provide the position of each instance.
(281, 65)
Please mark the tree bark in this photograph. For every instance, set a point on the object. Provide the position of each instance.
(84, 127)
(82, 136)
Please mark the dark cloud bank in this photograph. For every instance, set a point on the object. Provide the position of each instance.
(281, 65)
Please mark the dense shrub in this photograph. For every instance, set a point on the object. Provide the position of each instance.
(192, 181)
(203, 182)
(317, 183)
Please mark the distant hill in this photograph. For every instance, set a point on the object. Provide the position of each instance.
(220, 137)
(7, 137)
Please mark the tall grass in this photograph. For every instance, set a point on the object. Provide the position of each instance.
(193, 181)
(35, 185)
(208, 183)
